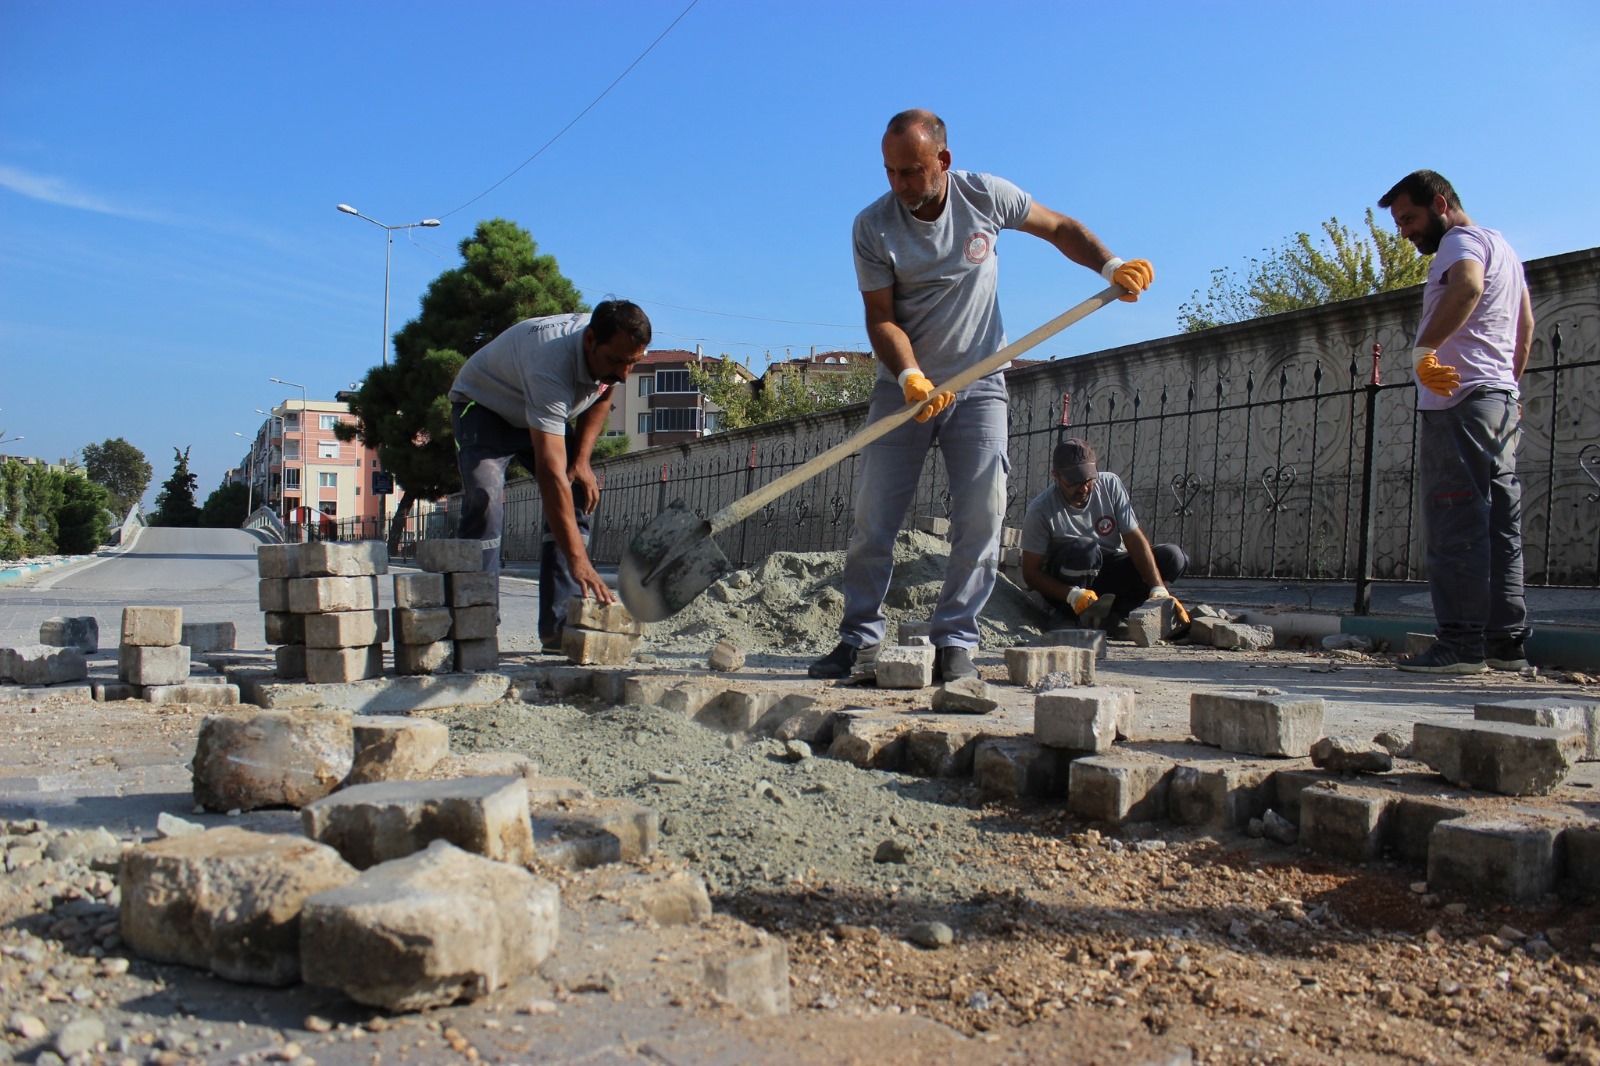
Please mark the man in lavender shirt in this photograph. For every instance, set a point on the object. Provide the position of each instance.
(1477, 328)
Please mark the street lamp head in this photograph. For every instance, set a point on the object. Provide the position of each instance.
(430, 222)
(347, 209)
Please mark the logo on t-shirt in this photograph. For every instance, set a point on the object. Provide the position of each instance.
(977, 247)
(1105, 525)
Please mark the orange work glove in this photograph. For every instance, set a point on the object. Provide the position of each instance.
(1135, 275)
(918, 388)
(1432, 374)
(1079, 599)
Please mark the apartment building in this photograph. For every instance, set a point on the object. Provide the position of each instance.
(658, 404)
(297, 461)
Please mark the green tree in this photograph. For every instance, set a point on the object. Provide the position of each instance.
(175, 505)
(1342, 265)
(402, 410)
(84, 522)
(121, 468)
(225, 507)
(609, 446)
(785, 392)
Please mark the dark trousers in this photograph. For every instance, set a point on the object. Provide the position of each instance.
(1085, 563)
(485, 446)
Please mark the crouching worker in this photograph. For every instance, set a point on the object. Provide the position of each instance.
(1083, 551)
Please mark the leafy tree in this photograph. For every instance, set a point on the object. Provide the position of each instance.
(402, 410)
(121, 468)
(84, 522)
(1341, 266)
(609, 447)
(786, 392)
(175, 505)
(225, 507)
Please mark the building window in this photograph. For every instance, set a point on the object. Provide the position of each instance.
(677, 419)
(291, 478)
(291, 423)
(647, 384)
(673, 381)
(329, 508)
(327, 479)
(291, 450)
(327, 449)
(713, 421)
(644, 423)
(327, 422)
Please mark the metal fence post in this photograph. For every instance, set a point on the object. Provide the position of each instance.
(1369, 485)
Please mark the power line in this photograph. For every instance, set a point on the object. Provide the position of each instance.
(725, 314)
(579, 115)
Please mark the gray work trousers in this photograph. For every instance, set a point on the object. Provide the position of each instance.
(1472, 515)
(972, 439)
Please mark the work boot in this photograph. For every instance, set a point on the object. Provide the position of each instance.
(952, 664)
(1441, 660)
(1506, 655)
(842, 661)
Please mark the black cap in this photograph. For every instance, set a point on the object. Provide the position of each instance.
(1074, 460)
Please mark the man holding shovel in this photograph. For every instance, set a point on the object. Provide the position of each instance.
(926, 268)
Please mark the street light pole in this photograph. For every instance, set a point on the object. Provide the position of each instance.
(284, 494)
(388, 250)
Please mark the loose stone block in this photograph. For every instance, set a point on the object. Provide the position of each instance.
(1026, 666)
(587, 646)
(1231, 635)
(201, 695)
(373, 823)
(934, 524)
(1092, 640)
(421, 625)
(8, 662)
(438, 657)
(151, 665)
(965, 695)
(273, 594)
(289, 660)
(314, 595)
(477, 656)
(1577, 716)
(391, 747)
(44, 664)
(271, 758)
(1119, 788)
(734, 711)
(1019, 766)
(1582, 845)
(1513, 760)
(1347, 754)
(1412, 820)
(586, 612)
(908, 631)
(202, 638)
(419, 590)
(725, 657)
(1346, 823)
(871, 742)
(344, 559)
(225, 900)
(753, 977)
(450, 556)
(80, 631)
(328, 666)
(1493, 855)
(278, 561)
(1152, 622)
(1081, 719)
(1289, 785)
(647, 689)
(1219, 795)
(152, 627)
(474, 623)
(941, 750)
(1202, 629)
(1253, 723)
(582, 833)
(346, 629)
(429, 929)
(472, 589)
(905, 666)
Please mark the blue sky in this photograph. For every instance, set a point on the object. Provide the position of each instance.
(169, 171)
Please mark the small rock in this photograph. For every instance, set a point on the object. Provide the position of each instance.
(170, 825)
(1347, 642)
(895, 850)
(931, 935)
(725, 656)
(1347, 754)
(79, 1037)
(1395, 744)
(1276, 827)
(26, 1026)
(316, 1024)
(1255, 828)
(1419, 887)
(967, 695)
(796, 751)
(664, 777)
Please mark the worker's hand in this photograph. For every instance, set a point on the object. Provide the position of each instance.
(1160, 593)
(1079, 599)
(585, 487)
(1432, 374)
(1135, 275)
(918, 388)
(590, 583)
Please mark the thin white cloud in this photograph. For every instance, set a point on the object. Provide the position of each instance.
(56, 191)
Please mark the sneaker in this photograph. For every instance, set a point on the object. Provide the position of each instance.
(1441, 660)
(952, 664)
(842, 661)
(1506, 655)
(551, 645)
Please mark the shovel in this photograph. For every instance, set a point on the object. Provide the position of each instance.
(674, 558)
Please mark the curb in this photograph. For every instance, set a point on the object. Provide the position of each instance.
(15, 573)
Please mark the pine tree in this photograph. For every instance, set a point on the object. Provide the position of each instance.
(175, 505)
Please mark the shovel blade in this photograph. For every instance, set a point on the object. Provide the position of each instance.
(668, 563)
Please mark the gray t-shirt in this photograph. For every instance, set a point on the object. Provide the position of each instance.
(944, 271)
(1107, 515)
(533, 375)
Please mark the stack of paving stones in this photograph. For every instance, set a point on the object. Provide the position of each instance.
(59, 656)
(599, 634)
(321, 609)
(447, 617)
(154, 664)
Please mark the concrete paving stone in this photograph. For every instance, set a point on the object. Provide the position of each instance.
(935, 525)
(581, 833)
(439, 657)
(429, 929)
(374, 823)
(1353, 824)
(273, 594)
(421, 625)
(965, 695)
(907, 632)
(153, 665)
(418, 591)
(1019, 766)
(799, 718)
(586, 612)
(1575, 715)
(725, 657)
(338, 665)
(393, 747)
(360, 558)
(1152, 622)
(478, 656)
(1256, 723)
(688, 698)
(663, 897)
(479, 589)
(1413, 819)
(225, 900)
(1236, 635)
(590, 647)
(346, 629)
(449, 556)
(873, 741)
(48, 664)
(278, 561)
(289, 661)
(1288, 784)
(942, 749)
(111, 691)
(282, 627)
(1026, 666)
(204, 695)
(203, 638)
(734, 711)
(1513, 760)
(8, 663)
(1582, 846)
(753, 977)
(1494, 856)
(647, 690)
(249, 760)
(78, 631)
(539, 684)
(548, 791)
(474, 623)
(1202, 630)
(1119, 788)
(152, 627)
(388, 695)
(1081, 719)
(314, 595)
(1092, 640)
(905, 666)
(1219, 794)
